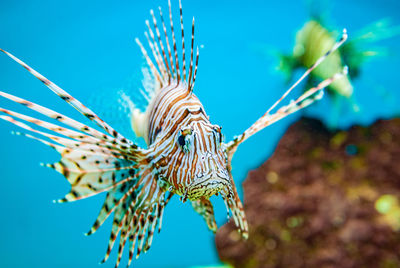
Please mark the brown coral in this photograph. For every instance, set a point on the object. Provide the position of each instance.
(312, 204)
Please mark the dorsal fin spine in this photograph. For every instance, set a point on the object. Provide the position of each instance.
(174, 42)
(195, 68)
(149, 61)
(166, 39)
(167, 67)
(191, 58)
(161, 45)
(156, 52)
(183, 43)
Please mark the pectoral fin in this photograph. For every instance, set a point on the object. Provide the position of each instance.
(204, 207)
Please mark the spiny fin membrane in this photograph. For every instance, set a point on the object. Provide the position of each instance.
(94, 162)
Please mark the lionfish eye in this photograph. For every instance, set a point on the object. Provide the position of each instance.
(183, 139)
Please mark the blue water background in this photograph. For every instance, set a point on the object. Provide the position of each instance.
(87, 48)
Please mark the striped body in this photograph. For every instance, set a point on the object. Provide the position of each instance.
(198, 171)
(185, 153)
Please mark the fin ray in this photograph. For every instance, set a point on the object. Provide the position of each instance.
(68, 98)
(301, 102)
(205, 209)
(123, 143)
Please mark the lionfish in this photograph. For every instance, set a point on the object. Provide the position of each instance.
(186, 154)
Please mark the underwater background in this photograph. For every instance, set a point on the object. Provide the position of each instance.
(88, 49)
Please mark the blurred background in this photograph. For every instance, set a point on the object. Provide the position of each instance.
(88, 49)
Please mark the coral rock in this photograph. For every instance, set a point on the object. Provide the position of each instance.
(324, 199)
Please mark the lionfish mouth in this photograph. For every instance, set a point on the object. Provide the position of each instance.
(207, 187)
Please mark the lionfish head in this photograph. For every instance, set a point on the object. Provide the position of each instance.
(203, 162)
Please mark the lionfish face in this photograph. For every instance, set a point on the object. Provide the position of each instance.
(202, 161)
